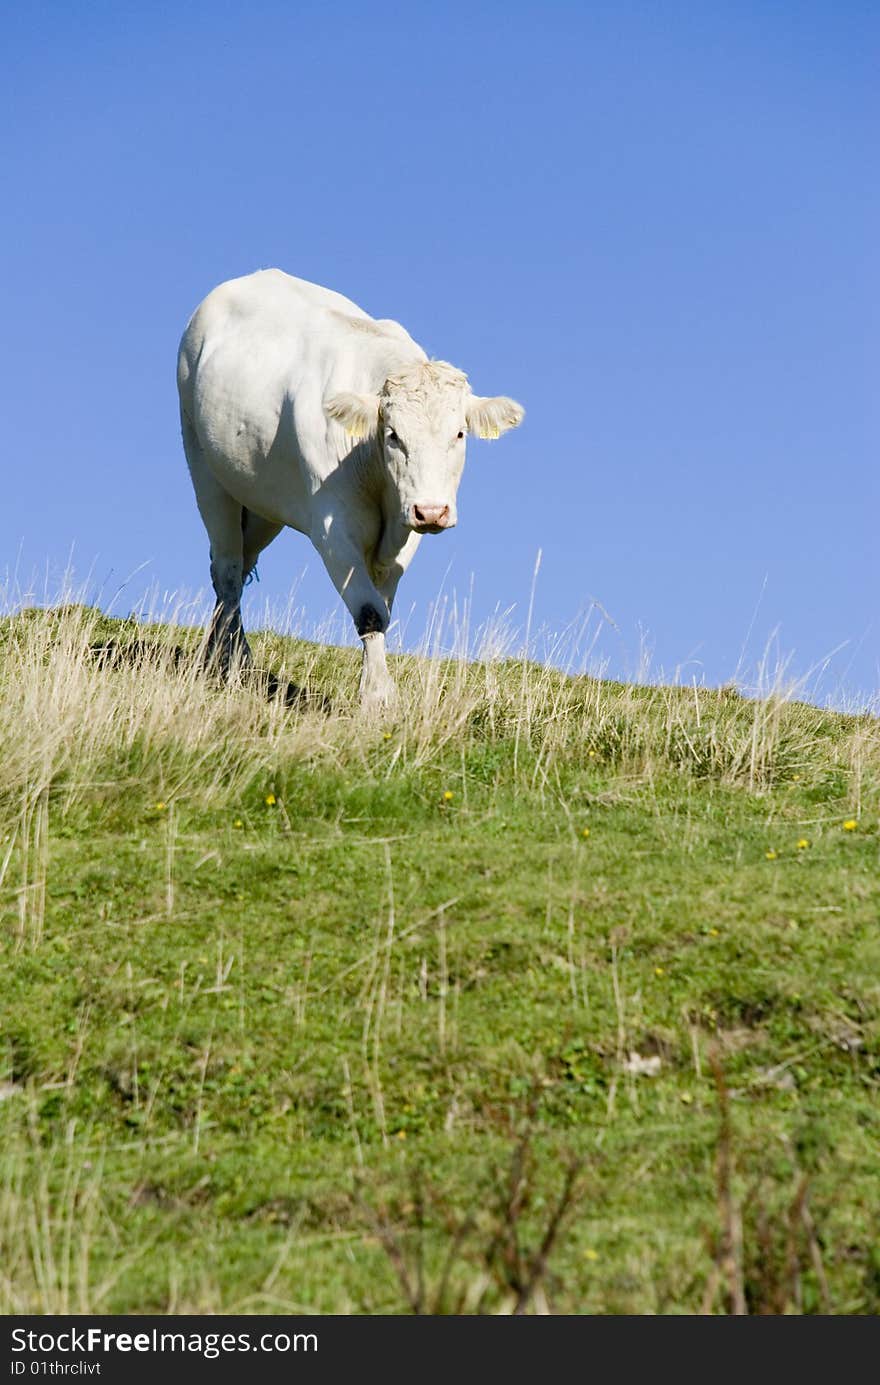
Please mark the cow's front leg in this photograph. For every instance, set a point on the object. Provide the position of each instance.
(377, 688)
(369, 610)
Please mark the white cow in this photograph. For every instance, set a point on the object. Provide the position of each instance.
(300, 410)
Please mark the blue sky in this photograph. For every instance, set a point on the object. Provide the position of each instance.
(654, 224)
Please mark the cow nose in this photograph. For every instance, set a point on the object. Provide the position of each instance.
(430, 516)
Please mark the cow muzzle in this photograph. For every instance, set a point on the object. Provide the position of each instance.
(430, 519)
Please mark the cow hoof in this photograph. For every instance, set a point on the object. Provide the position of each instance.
(228, 663)
(374, 701)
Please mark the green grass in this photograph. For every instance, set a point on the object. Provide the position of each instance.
(232, 1032)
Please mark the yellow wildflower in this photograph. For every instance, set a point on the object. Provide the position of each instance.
(585, 832)
(238, 823)
(591, 754)
(771, 855)
(713, 933)
(802, 844)
(270, 800)
(659, 971)
(590, 1254)
(850, 825)
(448, 796)
(160, 807)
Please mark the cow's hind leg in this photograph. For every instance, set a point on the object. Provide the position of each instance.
(227, 645)
(222, 517)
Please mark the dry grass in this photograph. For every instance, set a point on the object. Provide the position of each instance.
(71, 723)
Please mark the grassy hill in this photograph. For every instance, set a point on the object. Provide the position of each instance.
(545, 992)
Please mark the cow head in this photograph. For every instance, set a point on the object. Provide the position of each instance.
(420, 420)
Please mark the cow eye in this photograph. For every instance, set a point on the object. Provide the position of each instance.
(460, 435)
(391, 436)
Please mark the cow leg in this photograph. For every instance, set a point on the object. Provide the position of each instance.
(388, 572)
(374, 671)
(376, 689)
(222, 517)
(369, 609)
(227, 644)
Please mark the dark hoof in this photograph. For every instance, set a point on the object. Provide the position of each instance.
(225, 664)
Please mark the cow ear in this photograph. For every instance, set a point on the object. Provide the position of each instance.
(358, 413)
(489, 418)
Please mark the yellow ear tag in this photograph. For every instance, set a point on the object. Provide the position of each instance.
(355, 432)
(492, 433)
